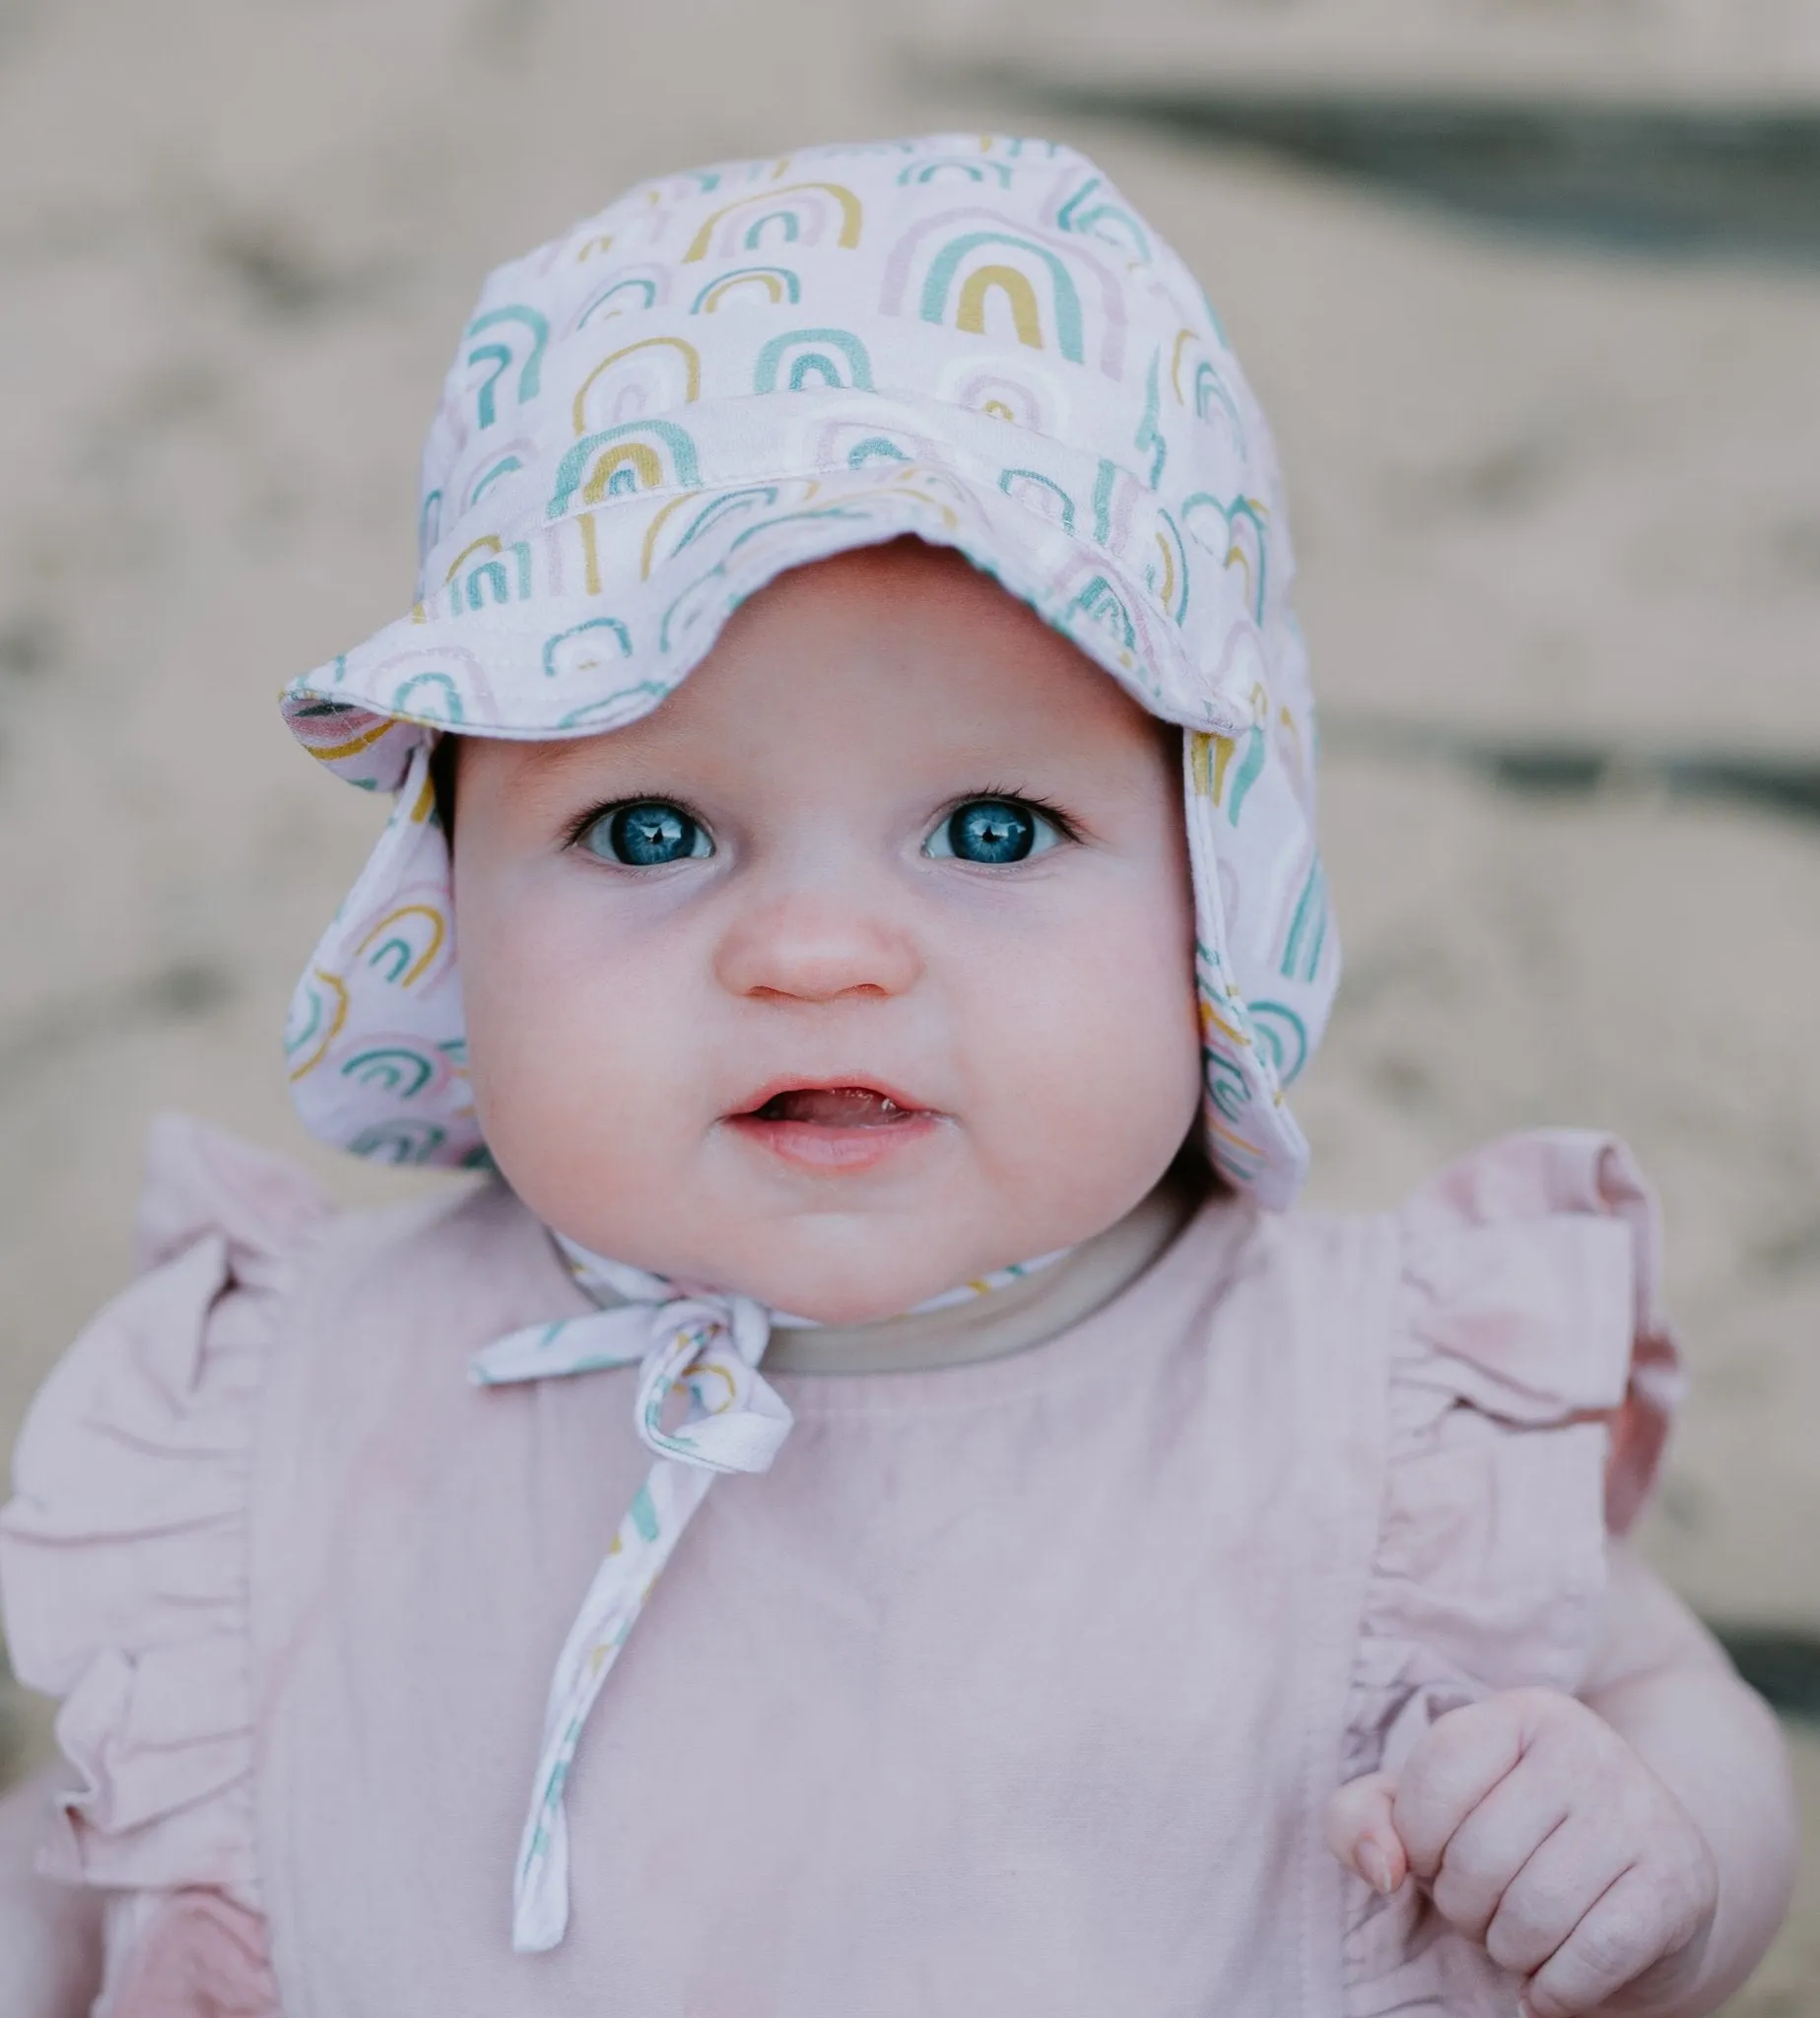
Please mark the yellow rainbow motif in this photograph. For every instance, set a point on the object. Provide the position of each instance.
(659, 518)
(1026, 316)
(487, 543)
(1298, 757)
(852, 216)
(1166, 591)
(1212, 1020)
(332, 752)
(1182, 336)
(1046, 299)
(1206, 771)
(409, 963)
(639, 456)
(318, 1036)
(692, 372)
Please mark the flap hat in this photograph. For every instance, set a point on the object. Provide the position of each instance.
(731, 372)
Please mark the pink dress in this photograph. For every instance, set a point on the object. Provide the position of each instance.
(1016, 1685)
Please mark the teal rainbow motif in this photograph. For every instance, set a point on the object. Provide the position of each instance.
(627, 295)
(1149, 437)
(1250, 769)
(507, 463)
(429, 524)
(1041, 493)
(746, 504)
(1198, 383)
(432, 696)
(613, 711)
(964, 167)
(398, 1069)
(711, 590)
(1239, 540)
(816, 358)
(511, 326)
(638, 455)
(1094, 213)
(581, 652)
(1307, 929)
(876, 448)
(503, 577)
(947, 298)
(404, 944)
(1101, 606)
(1284, 1036)
(318, 1011)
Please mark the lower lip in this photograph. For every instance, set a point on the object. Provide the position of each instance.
(815, 1147)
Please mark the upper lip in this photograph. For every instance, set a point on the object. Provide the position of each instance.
(832, 1082)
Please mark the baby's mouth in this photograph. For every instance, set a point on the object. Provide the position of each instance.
(836, 1130)
(833, 1106)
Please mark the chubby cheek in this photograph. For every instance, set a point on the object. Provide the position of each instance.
(573, 1056)
(1088, 1075)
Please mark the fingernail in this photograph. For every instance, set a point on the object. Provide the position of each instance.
(1372, 1866)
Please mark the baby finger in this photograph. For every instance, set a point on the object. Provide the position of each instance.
(1450, 1770)
(1627, 1931)
(1565, 1879)
(1490, 1860)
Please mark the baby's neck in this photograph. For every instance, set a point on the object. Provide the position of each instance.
(1022, 1314)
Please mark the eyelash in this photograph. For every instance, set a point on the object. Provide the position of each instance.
(576, 828)
(1053, 813)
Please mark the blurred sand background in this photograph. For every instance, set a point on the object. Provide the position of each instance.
(1553, 479)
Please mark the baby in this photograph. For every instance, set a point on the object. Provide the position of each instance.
(853, 731)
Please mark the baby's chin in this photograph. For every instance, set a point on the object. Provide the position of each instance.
(844, 1290)
(836, 1278)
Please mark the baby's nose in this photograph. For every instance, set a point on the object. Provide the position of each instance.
(816, 949)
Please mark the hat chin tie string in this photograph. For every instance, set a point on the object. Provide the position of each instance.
(708, 1349)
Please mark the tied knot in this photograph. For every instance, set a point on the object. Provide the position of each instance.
(710, 1348)
(704, 1348)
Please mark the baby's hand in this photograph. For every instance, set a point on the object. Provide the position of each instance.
(1539, 1832)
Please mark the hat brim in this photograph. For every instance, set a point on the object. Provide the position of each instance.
(651, 580)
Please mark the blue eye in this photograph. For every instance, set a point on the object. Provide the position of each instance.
(648, 835)
(993, 832)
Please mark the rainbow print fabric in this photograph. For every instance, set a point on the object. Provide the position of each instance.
(733, 371)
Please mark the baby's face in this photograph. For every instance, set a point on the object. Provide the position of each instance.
(860, 967)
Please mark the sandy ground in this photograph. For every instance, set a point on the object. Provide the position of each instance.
(1537, 492)
(1748, 52)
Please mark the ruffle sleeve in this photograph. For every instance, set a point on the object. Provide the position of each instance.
(123, 1553)
(1531, 1383)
